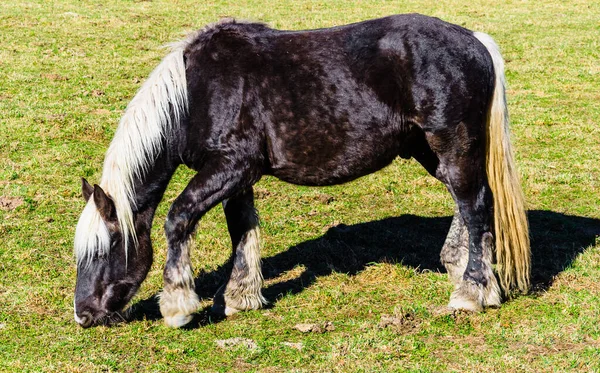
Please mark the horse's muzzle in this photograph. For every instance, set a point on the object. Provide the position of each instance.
(84, 319)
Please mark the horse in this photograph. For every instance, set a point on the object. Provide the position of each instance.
(238, 100)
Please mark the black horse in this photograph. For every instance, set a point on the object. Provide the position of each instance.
(236, 101)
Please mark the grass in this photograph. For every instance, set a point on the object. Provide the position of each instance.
(346, 254)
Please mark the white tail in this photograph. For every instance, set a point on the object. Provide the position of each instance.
(513, 256)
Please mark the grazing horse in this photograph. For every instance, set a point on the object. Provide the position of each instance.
(236, 101)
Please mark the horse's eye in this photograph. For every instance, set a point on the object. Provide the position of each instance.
(99, 257)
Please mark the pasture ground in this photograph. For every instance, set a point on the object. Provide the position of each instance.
(359, 260)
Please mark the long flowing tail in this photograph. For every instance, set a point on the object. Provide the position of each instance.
(513, 254)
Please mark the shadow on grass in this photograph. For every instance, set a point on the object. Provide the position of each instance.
(414, 241)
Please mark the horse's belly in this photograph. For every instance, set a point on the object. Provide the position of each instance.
(328, 160)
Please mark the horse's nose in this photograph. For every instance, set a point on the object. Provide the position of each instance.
(84, 319)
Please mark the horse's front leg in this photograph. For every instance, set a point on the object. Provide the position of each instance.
(178, 300)
(243, 290)
(214, 183)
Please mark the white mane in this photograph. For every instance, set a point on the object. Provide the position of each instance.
(149, 118)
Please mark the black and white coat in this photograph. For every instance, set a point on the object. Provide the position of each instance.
(236, 101)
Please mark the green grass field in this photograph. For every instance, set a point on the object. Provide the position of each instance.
(361, 256)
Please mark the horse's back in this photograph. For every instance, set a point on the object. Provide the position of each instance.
(326, 106)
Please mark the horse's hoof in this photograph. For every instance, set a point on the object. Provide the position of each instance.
(231, 311)
(178, 321)
(460, 300)
(226, 306)
(219, 308)
(178, 306)
(465, 304)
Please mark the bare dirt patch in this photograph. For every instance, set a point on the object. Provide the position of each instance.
(55, 77)
(237, 341)
(315, 328)
(10, 203)
(404, 322)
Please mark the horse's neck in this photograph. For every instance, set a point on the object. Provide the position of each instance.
(149, 191)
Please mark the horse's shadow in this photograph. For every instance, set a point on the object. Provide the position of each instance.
(414, 241)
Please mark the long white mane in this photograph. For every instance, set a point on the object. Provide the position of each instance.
(150, 117)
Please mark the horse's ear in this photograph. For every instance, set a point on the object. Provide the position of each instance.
(86, 189)
(105, 205)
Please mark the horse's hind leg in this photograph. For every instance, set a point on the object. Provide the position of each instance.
(243, 290)
(477, 287)
(462, 168)
(217, 180)
(455, 252)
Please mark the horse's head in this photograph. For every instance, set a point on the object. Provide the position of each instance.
(107, 276)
